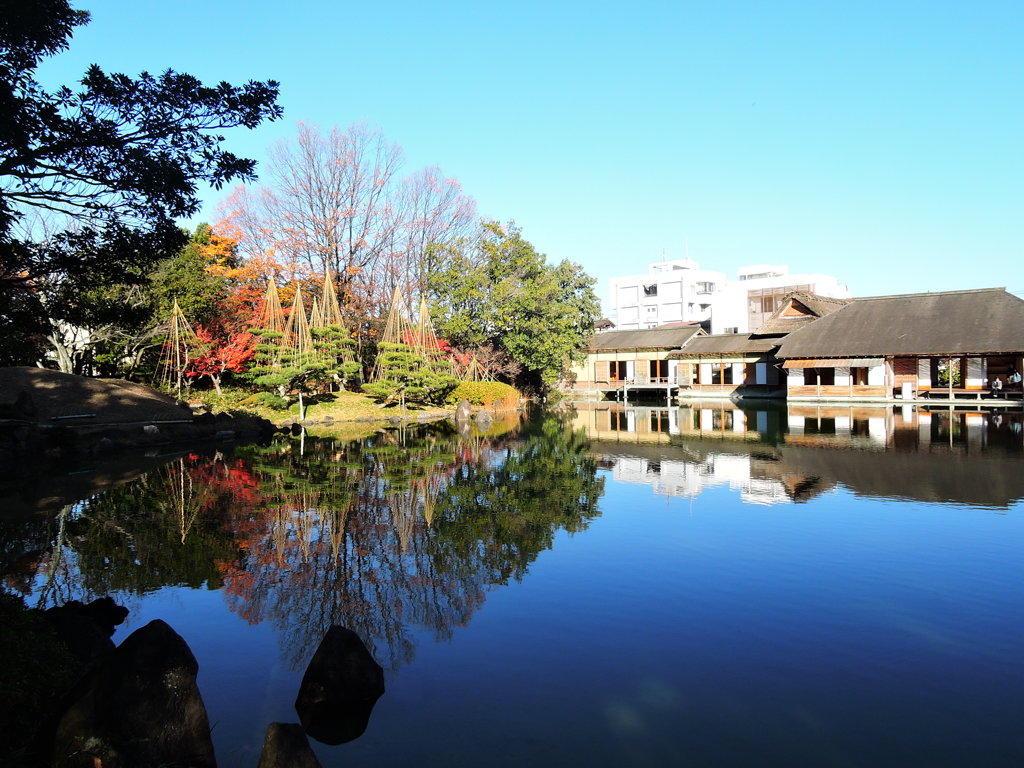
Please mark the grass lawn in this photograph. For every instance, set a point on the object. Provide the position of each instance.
(335, 406)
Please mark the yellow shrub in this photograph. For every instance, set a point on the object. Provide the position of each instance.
(489, 394)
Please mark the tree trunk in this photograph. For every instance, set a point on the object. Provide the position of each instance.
(64, 362)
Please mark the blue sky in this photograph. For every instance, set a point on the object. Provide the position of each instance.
(877, 141)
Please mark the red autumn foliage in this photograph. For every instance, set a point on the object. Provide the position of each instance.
(232, 354)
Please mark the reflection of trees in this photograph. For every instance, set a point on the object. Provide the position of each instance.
(404, 531)
(499, 513)
(165, 528)
(342, 542)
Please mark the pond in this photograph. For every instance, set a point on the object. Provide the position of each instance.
(701, 585)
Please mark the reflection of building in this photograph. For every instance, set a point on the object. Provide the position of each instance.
(670, 477)
(799, 452)
(952, 344)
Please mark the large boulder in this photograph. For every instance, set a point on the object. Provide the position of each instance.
(286, 746)
(141, 708)
(339, 688)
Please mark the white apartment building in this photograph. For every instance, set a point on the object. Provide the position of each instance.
(680, 291)
(671, 292)
(746, 303)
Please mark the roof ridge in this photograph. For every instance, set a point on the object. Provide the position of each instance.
(932, 293)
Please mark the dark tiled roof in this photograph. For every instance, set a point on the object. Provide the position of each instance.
(779, 324)
(952, 323)
(725, 344)
(652, 338)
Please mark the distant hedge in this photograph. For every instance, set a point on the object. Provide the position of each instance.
(485, 393)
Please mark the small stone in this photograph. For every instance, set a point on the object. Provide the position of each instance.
(286, 746)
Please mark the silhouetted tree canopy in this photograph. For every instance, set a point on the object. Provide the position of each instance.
(113, 161)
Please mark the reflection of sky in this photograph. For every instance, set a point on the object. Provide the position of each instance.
(705, 631)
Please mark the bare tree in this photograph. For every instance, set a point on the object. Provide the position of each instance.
(328, 206)
(334, 203)
(434, 214)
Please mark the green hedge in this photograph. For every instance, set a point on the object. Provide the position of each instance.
(485, 393)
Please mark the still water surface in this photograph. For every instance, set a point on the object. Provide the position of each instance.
(701, 586)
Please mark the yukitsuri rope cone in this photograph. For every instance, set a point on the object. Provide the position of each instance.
(398, 331)
(182, 345)
(297, 335)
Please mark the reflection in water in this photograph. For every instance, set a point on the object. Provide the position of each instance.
(403, 531)
(740, 620)
(773, 454)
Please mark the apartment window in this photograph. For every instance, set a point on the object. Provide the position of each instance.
(767, 303)
(705, 287)
(732, 329)
(704, 307)
(652, 310)
(651, 289)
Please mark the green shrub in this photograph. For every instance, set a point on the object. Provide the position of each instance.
(270, 400)
(489, 394)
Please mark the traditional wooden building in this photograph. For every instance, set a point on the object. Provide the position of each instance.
(948, 345)
(639, 358)
(744, 365)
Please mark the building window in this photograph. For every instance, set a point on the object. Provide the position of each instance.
(732, 329)
(768, 304)
(652, 310)
(705, 287)
(826, 377)
(651, 289)
(859, 377)
(721, 373)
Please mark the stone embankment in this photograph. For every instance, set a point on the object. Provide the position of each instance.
(57, 415)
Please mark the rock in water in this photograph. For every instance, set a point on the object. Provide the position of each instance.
(286, 746)
(464, 411)
(339, 689)
(141, 708)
